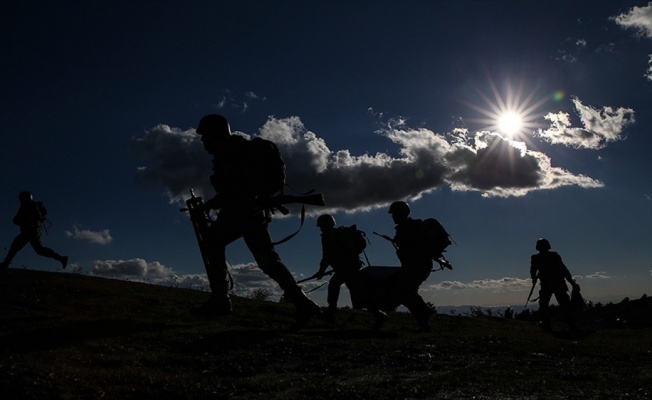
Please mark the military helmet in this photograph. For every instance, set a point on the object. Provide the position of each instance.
(543, 244)
(25, 196)
(399, 208)
(325, 221)
(213, 124)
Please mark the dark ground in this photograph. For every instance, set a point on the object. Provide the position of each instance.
(67, 336)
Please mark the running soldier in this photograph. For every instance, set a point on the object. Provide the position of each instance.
(30, 218)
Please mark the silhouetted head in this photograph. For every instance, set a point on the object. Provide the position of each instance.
(214, 124)
(399, 210)
(25, 197)
(214, 130)
(325, 221)
(543, 245)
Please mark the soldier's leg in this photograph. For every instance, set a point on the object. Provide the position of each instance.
(18, 243)
(565, 305)
(544, 309)
(46, 251)
(334, 286)
(259, 242)
(220, 235)
(409, 291)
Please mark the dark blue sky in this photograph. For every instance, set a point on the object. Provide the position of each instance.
(371, 101)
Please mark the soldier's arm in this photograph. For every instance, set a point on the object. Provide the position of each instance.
(533, 269)
(566, 272)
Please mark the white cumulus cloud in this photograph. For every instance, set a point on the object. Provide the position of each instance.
(598, 126)
(98, 237)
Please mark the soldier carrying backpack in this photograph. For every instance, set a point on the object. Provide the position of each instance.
(416, 249)
(30, 218)
(341, 249)
(246, 173)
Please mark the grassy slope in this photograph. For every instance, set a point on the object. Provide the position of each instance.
(70, 336)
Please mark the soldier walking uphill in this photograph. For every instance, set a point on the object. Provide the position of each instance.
(241, 184)
(341, 248)
(29, 218)
(547, 267)
(416, 262)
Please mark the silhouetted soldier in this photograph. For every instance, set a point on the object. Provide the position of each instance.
(340, 252)
(30, 218)
(548, 268)
(241, 185)
(411, 245)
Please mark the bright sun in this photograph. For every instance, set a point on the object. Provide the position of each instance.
(511, 112)
(510, 123)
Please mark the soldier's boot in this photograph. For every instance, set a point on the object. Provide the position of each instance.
(306, 308)
(379, 319)
(217, 305)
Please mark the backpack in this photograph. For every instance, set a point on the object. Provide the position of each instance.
(41, 210)
(269, 174)
(353, 239)
(436, 237)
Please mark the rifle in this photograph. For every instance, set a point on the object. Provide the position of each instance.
(530, 295)
(389, 239)
(279, 201)
(200, 223)
(201, 220)
(443, 262)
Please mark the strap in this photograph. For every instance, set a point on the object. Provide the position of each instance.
(303, 218)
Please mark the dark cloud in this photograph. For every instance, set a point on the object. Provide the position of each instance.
(485, 162)
(175, 160)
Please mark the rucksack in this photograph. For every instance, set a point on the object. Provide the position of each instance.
(353, 239)
(41, 210)
(269, 167)
(436, 237)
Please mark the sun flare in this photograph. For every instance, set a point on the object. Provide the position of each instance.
(510, 123)
(511, 112)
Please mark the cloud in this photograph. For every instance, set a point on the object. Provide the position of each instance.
(496, 285)
(425, 160)
(174, 159)
(599, 126)
(101, 237)
(638, 18)
(597, 275)
(246, 277)
(134, 268)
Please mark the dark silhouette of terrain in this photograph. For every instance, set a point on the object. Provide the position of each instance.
(68, 336)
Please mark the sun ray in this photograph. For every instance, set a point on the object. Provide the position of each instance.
(509, 111)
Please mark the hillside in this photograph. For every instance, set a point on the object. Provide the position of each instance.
(66, 336)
